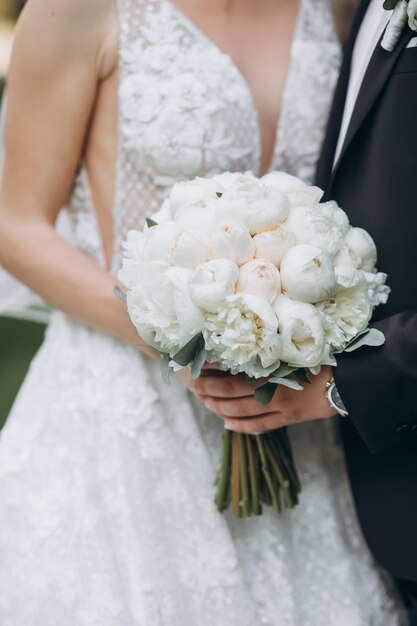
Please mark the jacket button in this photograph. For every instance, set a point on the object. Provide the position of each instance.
(404, 430)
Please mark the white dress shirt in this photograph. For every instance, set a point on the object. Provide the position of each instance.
(370, 32)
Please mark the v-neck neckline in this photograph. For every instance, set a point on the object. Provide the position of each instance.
(199, 32)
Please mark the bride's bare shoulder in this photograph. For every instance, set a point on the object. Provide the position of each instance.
(85, 29)
(344, 11)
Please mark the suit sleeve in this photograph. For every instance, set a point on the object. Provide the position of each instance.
(379, 385)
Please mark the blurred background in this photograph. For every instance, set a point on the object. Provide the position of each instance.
(18, 340)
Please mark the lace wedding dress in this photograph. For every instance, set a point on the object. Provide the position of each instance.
(106, 474)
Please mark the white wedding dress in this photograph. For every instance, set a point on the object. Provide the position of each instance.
(107, 474)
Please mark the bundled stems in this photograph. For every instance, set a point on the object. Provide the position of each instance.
(257, 470)
(235, 477)
(253, 476)
(223, 489)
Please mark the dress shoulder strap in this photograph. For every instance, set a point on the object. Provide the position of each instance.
(317, 20)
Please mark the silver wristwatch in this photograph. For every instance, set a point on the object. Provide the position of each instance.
(334, 398)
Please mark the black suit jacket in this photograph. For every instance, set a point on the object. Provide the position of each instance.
(375, 181)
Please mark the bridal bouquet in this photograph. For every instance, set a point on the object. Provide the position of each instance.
(262, 278)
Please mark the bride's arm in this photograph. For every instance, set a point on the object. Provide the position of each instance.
(60, 54)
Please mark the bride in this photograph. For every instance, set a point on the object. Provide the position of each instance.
(106, 474)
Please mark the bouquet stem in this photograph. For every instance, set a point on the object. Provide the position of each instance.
(253, 477)
(257, 470)
(235, 480)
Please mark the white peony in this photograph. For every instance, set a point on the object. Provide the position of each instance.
(307, 197)
(345, 257)
(273, 244)
(231, 241)
(253, 207)
(347, 276)
(348, 313)
(307, 274)
(233, 179)
(259, 278)
(377, 289)
(164, 214)
(283, 181)
(212, 282)
(190, 192)
(378, 292)
(199, 218)
(134, 244)
(188, 251)
(301, 332)
(171, 244)
(161, 308)
(412, 14)
(133, 254)
(243, 336)
(323, 225)
(294, 188)
(359, 250)
(160, 240)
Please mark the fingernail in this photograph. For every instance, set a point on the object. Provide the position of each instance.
(228, 426)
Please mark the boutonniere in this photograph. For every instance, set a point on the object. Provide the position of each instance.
(403, 11)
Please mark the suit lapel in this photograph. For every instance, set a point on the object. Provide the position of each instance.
(325, 164)
(379, 70)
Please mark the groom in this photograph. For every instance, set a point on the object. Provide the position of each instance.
(369, 166)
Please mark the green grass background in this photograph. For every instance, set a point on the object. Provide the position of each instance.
(19, 342)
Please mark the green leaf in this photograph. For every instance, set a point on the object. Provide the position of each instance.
(288, 382)
(166, 368)
(151, 341)
(150, 222)
(389, 5)
(120, 294)
(301, 375)
(352, 341)
(283, 370)
(200, 358)
(373, 338)
(250, 379)
(265, 393)
(188, 352)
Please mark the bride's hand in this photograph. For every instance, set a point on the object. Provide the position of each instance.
(213, 377)
(211, 370)
(232, 398)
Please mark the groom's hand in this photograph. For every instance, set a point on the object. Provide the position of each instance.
(232, 398)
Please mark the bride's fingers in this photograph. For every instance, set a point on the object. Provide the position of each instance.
(224, 386)
(207, 367)
(255, 425)
(241, 407)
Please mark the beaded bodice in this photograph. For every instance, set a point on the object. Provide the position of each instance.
(185, 110)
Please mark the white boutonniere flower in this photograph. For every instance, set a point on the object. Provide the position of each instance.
(412, 14)
(403, 11)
